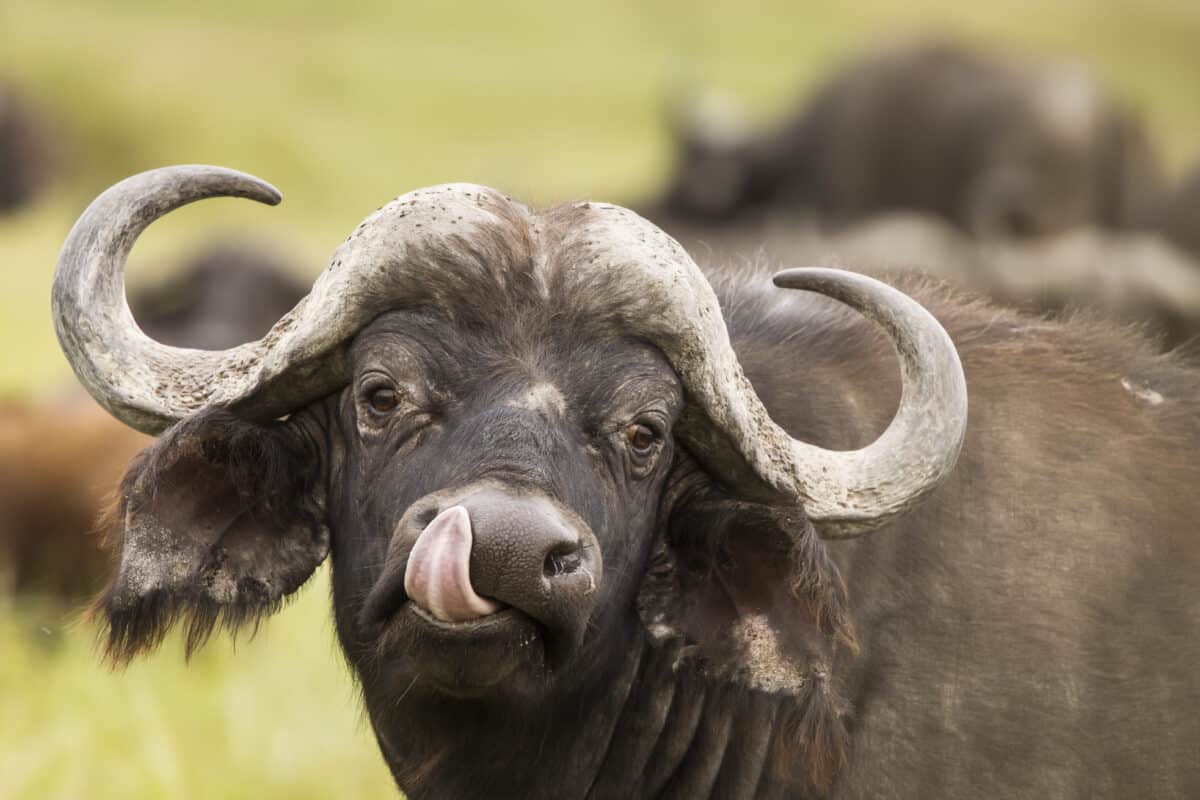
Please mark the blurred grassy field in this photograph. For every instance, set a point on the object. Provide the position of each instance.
(275, 716)
(344, 106)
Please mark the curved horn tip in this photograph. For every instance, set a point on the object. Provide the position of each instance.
(920, 446)
(270, 195)
(252, 187)
(126, 371)
(228, 182)
(800, 277)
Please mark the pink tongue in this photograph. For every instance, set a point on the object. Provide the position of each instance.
(438, 578)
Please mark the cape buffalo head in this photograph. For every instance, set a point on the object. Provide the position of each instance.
(522, 437)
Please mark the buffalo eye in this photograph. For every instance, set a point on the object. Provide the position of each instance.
(383, 400)
(642, 439)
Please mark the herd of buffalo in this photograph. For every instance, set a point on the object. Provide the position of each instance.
(616, 508)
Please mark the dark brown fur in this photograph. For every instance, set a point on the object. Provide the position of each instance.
(1046, 587)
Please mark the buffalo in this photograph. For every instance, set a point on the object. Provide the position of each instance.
(59, 462)
(1181, 217)
(227, 293)
(60, 459)
(998, 147)
(598, 530)
(25, 151)
(1134, 278)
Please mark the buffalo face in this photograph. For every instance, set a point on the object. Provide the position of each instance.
(500, 489)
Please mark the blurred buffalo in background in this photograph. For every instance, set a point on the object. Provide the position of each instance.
(1181, 218)
(227, 294)
(998, 147)
(60, 459)
(1133, 278)
(58, 462)
(1021, 180)
(26, 154)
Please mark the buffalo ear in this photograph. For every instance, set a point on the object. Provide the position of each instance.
(749, 597)
(217, 522)
(750, 587)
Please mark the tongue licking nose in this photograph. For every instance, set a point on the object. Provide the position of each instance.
(438, 577)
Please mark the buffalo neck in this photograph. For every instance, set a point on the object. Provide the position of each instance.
(652, 728)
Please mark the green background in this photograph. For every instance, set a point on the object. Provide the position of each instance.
(343, 106)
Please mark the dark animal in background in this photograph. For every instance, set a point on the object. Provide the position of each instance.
(1181, 217)
(26, 155)
(61, 460)
(1137, 280)
(1133, 278)
(574, 556)
(999, 147)
(228, 293)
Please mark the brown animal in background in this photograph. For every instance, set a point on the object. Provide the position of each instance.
(588, 517)
(995, 146)
(25, 151)
(60, 460)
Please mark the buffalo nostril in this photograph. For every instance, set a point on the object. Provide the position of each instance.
(562, 561)
(426, 516)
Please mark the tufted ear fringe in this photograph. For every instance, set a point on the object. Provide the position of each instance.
(817, 582)
(129, 631)
(812, 724)
(212, 529)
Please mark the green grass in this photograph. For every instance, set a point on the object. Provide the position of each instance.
(275, 716)
(344, 105)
